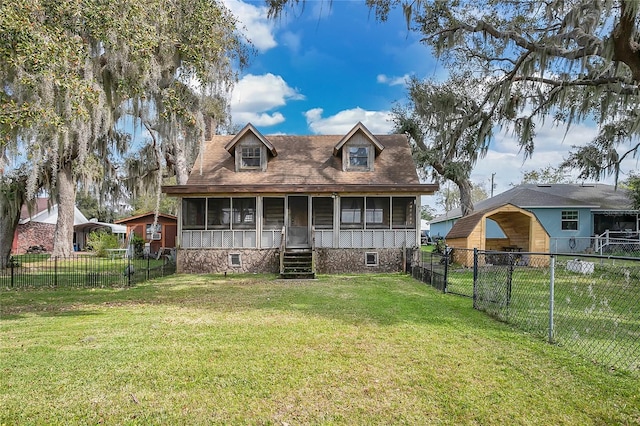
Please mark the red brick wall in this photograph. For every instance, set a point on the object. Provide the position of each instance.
(35, 234)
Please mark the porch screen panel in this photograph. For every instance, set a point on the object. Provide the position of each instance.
(322, 212)
(218, 213)
(273, 212)
(244, 213)
(377, 213)
(403, 212)
(193, 213)
(351, 212)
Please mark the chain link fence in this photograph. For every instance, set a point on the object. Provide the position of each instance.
(44, 271)
(586, 303)
(589, 304)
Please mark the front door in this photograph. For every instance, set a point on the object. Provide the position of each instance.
(298, 221)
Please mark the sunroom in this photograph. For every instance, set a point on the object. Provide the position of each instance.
(350, 221)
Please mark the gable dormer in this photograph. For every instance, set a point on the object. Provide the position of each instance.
(250, 149)
(359, 149)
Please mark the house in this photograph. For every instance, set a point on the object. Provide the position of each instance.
(160, 236)
(560, 218)
(331, 203)
(36, 227)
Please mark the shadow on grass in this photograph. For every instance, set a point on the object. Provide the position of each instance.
(383, 299)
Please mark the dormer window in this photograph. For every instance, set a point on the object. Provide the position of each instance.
(358, 158)
(250, 157)
(358, 149)
(250, 150)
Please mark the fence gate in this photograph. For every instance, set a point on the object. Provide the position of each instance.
(492, 283)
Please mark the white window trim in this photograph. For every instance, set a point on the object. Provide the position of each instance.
(366, 258)
(231, 258)
(576, 220)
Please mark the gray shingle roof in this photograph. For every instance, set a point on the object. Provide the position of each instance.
(527, 196)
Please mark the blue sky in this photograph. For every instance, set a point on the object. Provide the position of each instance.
(322, 69)
(317, 70)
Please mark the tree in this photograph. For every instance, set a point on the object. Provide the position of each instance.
(427, 212)
(446, 143)
(570, 61)
(448, 198)
(546, 175)
(12, 197)
(632, 186)
(72, 70)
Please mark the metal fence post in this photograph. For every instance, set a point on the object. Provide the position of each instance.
(431, 274)
(55, 271)
(148, 266)
(552, 279)
(446, 268)
(510, 269)
(11, 261)
(475, 276)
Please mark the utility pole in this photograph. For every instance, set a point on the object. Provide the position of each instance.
(492, 176)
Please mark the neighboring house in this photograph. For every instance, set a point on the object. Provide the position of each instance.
(341, 203)
(160, 236)
(37, 226)
(559, 218)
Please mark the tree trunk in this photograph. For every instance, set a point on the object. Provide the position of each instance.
(466, 202)
(12, 196)
(181, 166)
(8, 223)
(66, 199)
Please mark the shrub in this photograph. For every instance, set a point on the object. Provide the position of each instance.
(100, 241)
(138, 246)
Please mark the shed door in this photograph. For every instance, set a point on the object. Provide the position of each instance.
(298, 221)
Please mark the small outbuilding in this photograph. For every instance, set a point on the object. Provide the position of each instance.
(522, 229)
(159, 235)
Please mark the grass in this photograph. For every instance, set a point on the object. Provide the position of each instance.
(373, 349)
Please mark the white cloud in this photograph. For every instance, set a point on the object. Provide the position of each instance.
(378, 122)
(292, 41)
(254, 24)
(393, 81)
(254, 96)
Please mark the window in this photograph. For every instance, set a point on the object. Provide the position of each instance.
(358, 158)
(377, 213)
(351, 212)
(250, 157)
(273, 213)
(322, 212)
(193, 211)
(244, 213)
(371, 258)
(154, 232)
(569, 220)
(218, 213)
(235, 260)
(403, 212)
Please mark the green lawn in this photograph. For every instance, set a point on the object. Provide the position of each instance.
(369, 349)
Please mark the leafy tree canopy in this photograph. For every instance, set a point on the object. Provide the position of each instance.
(632, 186)
(546, 175)
(569, 61)
(71, 70)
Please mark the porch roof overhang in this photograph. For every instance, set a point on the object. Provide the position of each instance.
(189, 190)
